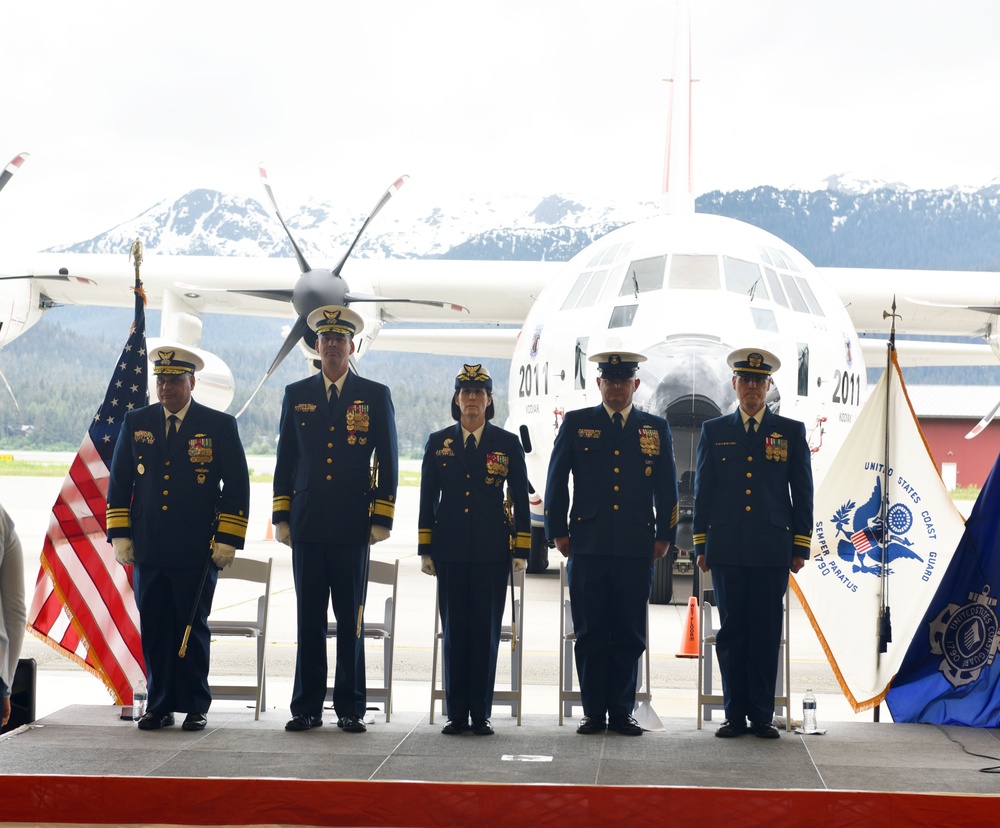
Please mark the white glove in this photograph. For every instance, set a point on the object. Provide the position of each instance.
(427, 565)
(223, 555)
(283, 533)
(124, 553)
(520, 564)
(378, 533)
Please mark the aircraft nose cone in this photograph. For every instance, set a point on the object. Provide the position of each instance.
(687, 381)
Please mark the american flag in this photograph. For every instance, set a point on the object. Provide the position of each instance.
(83, 604)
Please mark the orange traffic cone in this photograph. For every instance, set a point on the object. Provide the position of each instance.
(269, 532)
(691, 631)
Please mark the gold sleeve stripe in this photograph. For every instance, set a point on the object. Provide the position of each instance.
(229, 526)
(281, 503)
(118, 519)
(674, 516)
(523, 540)
(699, 539)
(424, 536)
(384, 508)
(802, 540)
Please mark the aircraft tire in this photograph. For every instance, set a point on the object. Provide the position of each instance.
(538, 557)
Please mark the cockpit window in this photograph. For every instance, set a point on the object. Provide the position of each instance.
(809, 296)
(576, 291)
(586, 290)
(694, 272)
(741, 276)
(593, 289)
(776, 292)
(622, 316)
(798, 303)
(643, 275)
(765, 256)
(763, 319)
(782, 260)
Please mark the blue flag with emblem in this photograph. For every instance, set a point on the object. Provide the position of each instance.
(948, 675)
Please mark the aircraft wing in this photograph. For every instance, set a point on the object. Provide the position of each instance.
(926, 354)
(930, 302)
(493, 292)
(472, 343)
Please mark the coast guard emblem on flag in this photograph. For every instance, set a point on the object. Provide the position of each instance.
(863, 533)
(966, 637)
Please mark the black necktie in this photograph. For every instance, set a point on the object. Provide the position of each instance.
(751, 426)
(172, 421)
(619, 423)
(333, 394)
(470, 445)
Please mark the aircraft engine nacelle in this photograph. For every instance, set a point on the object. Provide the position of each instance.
(214, 385)
(21, 306)
(993, 335)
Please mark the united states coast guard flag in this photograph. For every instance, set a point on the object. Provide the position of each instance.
(841, 586)
(948, 675)
(83, 604)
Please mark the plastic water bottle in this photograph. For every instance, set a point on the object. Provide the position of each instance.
(139, 696)
(809, 712)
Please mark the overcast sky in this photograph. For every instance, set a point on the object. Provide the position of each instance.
(123, 104)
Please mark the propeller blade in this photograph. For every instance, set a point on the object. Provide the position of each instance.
(11, 168)
(977, 430)
(294, 335)
(399, 182)
(10, 391)
(434, 303)
(303, 264)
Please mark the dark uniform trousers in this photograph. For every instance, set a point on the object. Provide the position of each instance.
(463, 527)
(624, 500)
(752, 513)
(322, 488)
(172, 502)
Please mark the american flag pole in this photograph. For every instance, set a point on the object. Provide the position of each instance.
(83, 605)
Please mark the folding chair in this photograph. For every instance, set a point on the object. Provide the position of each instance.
(568, 697)
(246, 569)
(708, 700)
(510, 697)
(384, 630)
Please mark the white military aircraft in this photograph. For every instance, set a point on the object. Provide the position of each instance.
(683, 289)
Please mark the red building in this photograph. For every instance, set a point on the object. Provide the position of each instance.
(946, 414)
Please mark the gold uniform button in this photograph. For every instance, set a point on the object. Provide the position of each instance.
(466, 494)
(750, 459)
(616, 507)
(748, 491)
(166, 492)
(617, 471)
(466, 511)
(329, 445)
(748, 508)
(332, 428)
(616, 488)
(617, 452)
(167, 463)
(165, 508)
(749, 474)
(329, 477)
(166, 477)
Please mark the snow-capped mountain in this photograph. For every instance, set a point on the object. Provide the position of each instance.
(846, 221)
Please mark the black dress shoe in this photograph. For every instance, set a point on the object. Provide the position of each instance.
(590, 724)
(303, 722)
(765, 730)
(732, 728)
(351, 724)
(455, 728)
(154, 721)
(194, 721)
(482, 728)
(626, 726)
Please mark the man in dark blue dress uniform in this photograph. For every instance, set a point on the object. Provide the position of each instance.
(179, 492)
(334, 427)
(623, 518)
(753, 509)
(465, 538)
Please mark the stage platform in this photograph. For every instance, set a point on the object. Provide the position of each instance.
(83, 764)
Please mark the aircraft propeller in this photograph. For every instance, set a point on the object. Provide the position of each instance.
(11, 168)
(317, 287)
